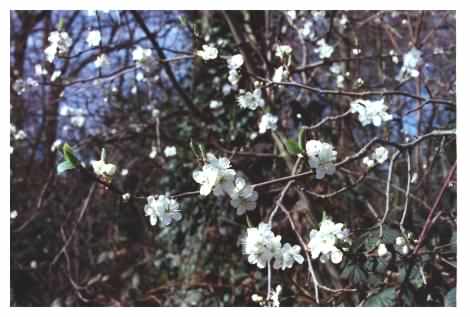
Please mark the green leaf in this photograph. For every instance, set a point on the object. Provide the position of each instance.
(354, 273)
(384, 298)
(293, 147)
(450, 300)
(69, 156)
(64, 166)
(414, 277)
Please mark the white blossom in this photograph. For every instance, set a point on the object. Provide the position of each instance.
(287, 256)
(261, 245)
(307, 30)
(58, 42)
(242, 196)
(208, 52)
(103, 169)
(169, 151)
(235, 61)
(267, 122)
(13, 214)
(380, 154)
(163, 208)
(401, 246)
(321, 157)
(101, 60)
(323, 241)
(323, 49)
(274, 296)
(233, 77)
(382, 250)
(39, 70)
(93, 38)
(374, 112)
(214, 104)
(280, 74)
(368, 162)
(216, 176)
(251, 100)
(292, 14)
(411, 62)
(283, 51)
(140, 55)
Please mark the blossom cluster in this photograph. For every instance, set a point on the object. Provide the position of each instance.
(371, 111)
(251, 100)
(234, 63)
(411, 62)
(208, 52)
(323, 242)
(59, 42)
(268, 122)
(262, 246)
(163, 208)
(379, 156)
(321, 157)
(218, 177)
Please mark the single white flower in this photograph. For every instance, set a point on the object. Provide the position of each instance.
(242, 196)
(216, 176)
(292, 14)
(368, 162)
(283, 51)
(321, 157)
(169, 151)
(235, 61)
(13, 214)
(323, 241)
(411, 62)
(307, 30)
(59, 42)
(207, 177)
(214, 104)
(101, 60)
(274, 296)
(287, 256)
(261, 245)
(401, 246)
(39, 70)
(124, 172)
(374, 112)
(323, 49)
(93, 38)
(233, 77)
(139, 54)
(267, 122)
(251, 100)
(380, 154)
(280, 74)
(208, 52)
(126, 197)
(163, 208)
(382, 250)
(103, 169)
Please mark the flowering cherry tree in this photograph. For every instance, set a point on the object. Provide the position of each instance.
(233, 158)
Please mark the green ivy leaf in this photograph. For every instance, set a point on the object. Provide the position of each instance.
(450, 300)
(384, 298)
(64, 166)
(354, 273)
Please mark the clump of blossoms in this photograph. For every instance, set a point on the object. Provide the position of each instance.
(283, 51)
(102, 169)
(208, 52)
(411, 61)
(262, 246)
(251, 100)
(280, 74)
(370, 111)
(323, 242)
(216, 175)
(234, 63)
(380, 155)
(323, 49)
(93, 38)
(267, 122)
(144, 59)
(321, 157)
(163, 208)
(243, 196)
(59, 43)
